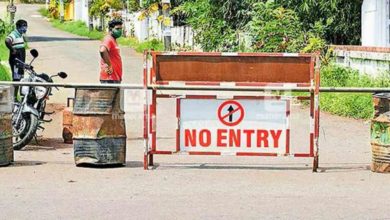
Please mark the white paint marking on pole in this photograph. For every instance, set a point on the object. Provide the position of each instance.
(290, 85)
(177, 83)
(231, 126)
(227, 84)
(229, 54)
(291, 54)
(311, 125)
(170, 53)
(225, 96)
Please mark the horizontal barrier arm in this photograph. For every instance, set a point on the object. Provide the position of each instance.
(201, 88)
(280, 88)
(74, 85)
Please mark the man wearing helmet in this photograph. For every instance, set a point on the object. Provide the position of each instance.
(111, 61)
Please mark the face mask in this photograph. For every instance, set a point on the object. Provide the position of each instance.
(22, 29)
(117, 33)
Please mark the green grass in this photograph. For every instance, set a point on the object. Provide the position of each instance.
(78, 28)
(354, 105)
(153, 44)
(43, 11)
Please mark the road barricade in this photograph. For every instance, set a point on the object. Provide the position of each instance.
(232, 124)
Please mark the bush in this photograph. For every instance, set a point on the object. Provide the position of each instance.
(355, 105)
(153, 44)
(276, 29)
(4, 73)
(44, 12)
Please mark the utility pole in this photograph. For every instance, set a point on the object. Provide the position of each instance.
(62, 8)
(11, 8)
(166, 29)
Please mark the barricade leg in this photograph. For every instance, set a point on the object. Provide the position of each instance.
(151, 160)
(316, 100)
(146, 162)
(153, 118)
(315, 163)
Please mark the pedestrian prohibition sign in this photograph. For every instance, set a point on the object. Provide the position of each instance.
(230, 113)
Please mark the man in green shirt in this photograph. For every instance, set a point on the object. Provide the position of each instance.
(16, 44)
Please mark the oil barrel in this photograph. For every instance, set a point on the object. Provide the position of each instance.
(380, 134)
(6, 149)
(67, 123)
(98, 125)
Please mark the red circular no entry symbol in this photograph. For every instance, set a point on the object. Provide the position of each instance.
(230, 113)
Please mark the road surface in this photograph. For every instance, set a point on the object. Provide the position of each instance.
(45, 184)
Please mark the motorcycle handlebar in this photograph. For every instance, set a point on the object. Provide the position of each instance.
(24, 65)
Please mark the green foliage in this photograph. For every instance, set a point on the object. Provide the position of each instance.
(215, 23)
(342, 18)
(275, 29)
(4, 73)
(78, 28)
(351, 105)
(153, 44)
(102, 7)
(5, 28)
(133, 5)
(44, 12)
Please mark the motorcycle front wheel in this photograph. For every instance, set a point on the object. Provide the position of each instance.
(25, 133)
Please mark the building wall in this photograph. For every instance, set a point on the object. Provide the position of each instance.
(375, 23)
(374, 61)
(81, 11)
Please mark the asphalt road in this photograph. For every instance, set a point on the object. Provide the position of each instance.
(45, 184)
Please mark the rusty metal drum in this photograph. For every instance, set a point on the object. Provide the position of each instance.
(67, 123)
(99, 131)
(380, 134)
(6, 149)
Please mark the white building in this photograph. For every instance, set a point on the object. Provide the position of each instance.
(81, 11)
(376, 23)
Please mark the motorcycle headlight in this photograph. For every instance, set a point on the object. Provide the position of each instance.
(40, 92)
(24, 90)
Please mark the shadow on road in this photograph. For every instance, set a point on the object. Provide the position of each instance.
(47, 144)
(212, 166)
(129, 164)
(297, 167)
(48, 39)
(24, 163)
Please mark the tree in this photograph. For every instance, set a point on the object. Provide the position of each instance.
(100, 8)
(216, 23)
(342, 18)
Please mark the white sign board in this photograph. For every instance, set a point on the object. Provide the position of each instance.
(234, 126)
(11, 8)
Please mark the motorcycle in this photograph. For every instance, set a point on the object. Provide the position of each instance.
(29, 113)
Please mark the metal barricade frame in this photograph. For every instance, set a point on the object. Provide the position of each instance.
(155, 82)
